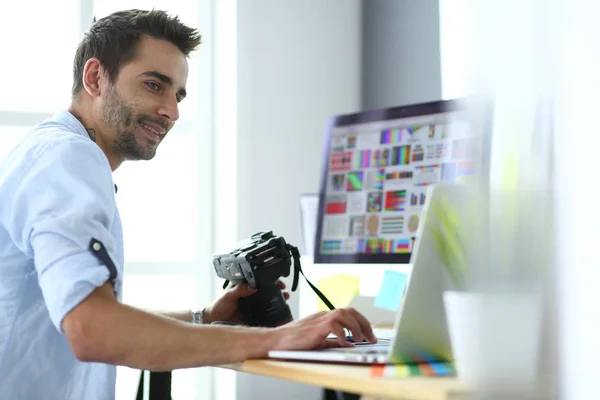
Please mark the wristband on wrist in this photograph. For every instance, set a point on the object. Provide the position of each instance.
(197, 317)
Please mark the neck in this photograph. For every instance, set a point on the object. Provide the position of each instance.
(80, 112)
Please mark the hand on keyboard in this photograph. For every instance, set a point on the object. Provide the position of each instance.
(313, 332)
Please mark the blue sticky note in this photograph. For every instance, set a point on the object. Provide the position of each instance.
(391, 291)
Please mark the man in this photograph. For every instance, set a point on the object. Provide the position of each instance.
(62, 325)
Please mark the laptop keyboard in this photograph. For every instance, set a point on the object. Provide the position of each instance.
(364, 348)
(382, 335)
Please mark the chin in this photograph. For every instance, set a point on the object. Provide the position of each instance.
(140, 154)
(146, 155)
(150, 156)
(147, 149)
(133, 147)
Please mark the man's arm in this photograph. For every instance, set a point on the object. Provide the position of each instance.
(100, 329)
(183, 316)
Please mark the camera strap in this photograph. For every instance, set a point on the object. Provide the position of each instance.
(298, 271)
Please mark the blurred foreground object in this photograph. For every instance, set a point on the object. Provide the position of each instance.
(500, 245)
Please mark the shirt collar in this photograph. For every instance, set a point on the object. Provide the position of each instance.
(69, 119)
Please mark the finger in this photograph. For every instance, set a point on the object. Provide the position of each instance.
(282, 285)
(242, 290)
(365, 325)
(346, 318)
(338, 330)
(328, 344)
(286, 295)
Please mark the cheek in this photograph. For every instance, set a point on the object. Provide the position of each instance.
(130, 114)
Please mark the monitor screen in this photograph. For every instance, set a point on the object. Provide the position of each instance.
(376, 169)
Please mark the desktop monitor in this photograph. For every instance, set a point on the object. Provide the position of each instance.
(376, 169)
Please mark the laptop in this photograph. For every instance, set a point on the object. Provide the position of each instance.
(420, 332)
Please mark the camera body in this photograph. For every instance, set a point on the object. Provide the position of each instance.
(259, 261)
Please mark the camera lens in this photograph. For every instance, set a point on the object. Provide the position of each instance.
(266, 308)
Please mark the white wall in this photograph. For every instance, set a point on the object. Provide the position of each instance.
(298, 62)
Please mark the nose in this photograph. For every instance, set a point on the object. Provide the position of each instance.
(170, 109)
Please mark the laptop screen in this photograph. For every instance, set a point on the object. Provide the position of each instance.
(376, 168)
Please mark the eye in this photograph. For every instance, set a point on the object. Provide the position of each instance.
(153, 86)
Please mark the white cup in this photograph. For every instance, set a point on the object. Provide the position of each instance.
(495, 337)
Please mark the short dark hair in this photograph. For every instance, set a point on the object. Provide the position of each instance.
(114, 39)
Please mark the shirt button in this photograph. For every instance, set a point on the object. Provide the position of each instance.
(96, 246)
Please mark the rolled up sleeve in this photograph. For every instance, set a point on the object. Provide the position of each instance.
(66, 199)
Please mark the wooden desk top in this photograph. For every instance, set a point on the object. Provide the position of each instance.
(354, 379)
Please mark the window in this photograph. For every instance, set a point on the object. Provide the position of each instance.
(158, 201)
(40, 49)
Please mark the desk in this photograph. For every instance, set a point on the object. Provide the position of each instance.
(354, 379)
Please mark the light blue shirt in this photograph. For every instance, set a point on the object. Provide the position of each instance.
(56, 195)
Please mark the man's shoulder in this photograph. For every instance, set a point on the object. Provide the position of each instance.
(55, 130)
(61, 127)
(53, 139)
(57, 149)
(47, 136)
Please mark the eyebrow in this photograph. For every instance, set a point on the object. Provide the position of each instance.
(166, 80)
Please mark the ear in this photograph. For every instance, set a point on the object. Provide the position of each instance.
(93, 74)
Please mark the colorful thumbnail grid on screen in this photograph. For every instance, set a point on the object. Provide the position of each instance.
(378, 180)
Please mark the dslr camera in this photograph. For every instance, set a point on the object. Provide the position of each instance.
(260, 261)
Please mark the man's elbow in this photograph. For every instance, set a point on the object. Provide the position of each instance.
(81, 326)
(83, 350)
(81, 338)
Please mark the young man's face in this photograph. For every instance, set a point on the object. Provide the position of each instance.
(142, 105)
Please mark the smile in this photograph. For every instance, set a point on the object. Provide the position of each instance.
(155, 129)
